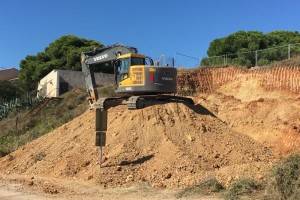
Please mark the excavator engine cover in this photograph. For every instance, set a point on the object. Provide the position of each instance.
(149, 80)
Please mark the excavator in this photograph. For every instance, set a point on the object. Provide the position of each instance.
(139, 82)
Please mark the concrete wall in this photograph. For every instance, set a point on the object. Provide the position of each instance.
(59, 81)
(75, 79)
(48, 86)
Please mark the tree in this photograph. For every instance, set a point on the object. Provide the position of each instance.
(9, 90)
(239, 47)
(63, 53)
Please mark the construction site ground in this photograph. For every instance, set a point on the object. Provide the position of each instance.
(238, 131)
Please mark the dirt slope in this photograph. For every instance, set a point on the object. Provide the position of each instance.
(270, 117)
(167, 145)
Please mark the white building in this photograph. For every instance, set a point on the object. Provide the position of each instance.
(58, 82)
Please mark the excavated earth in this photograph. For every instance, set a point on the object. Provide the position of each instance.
(272, 118)
(169, 145)
(238, 131)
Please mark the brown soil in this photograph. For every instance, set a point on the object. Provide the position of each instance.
(52, 189)
(167, 145)
(272, 118)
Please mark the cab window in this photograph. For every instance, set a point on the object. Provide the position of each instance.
(137, 61)
(122, 69)
(124, 66)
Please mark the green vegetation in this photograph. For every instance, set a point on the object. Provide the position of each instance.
(285, 179)
(283, 183)
(24, 126)
(242, 187)
(10, 90)
(63, 53)
(206, 187)
(14, 97)
(106, 91)
(295, 61)
(237, 45)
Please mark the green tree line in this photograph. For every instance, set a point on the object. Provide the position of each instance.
(240, 47)
(63, 53)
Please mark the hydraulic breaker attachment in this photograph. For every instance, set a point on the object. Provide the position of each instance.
(101, 128)
(101, 107)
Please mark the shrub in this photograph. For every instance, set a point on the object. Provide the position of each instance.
(242, 187)
(285, 179)
(38, 120)
(206, 187)
(106, 91)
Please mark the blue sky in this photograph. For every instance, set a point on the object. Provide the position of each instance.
(155, 27)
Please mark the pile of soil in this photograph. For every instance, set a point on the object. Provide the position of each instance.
(168, 145)
(272, 118)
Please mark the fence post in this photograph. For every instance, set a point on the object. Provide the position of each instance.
(289, 51)
(256, 58)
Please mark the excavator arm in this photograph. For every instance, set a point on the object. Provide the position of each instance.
(107, 55)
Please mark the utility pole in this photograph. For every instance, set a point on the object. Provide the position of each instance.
(256, 58)
(226, 59)
(289, 51)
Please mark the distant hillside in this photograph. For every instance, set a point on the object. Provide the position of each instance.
(8, 74)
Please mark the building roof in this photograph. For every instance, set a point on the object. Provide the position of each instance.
(8, 74)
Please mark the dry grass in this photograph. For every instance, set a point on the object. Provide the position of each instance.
(205, 188)
(24, 126)
(285, 180)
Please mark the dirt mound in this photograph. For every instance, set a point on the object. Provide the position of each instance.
(168, 145)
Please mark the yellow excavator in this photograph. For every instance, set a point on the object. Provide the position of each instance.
(139, 82)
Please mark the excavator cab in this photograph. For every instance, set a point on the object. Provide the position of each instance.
(136, 74)
(123, 64)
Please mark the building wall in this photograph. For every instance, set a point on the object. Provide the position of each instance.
(49, 85)
(59, 81)
(75, 79)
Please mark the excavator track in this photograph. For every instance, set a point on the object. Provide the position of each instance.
(135, 102)
(138, 102)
